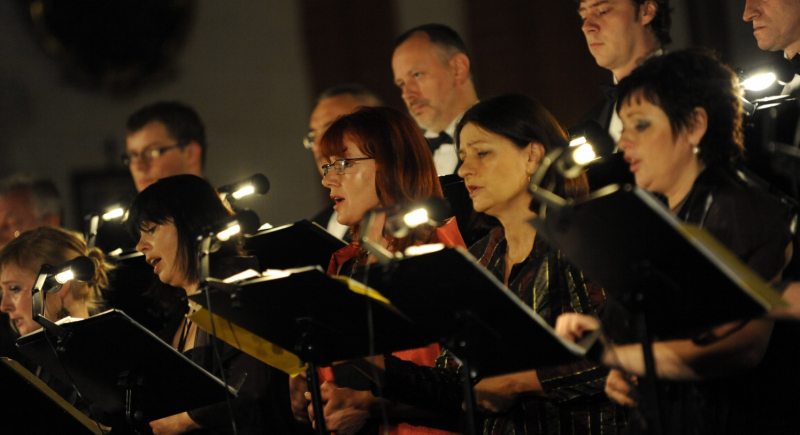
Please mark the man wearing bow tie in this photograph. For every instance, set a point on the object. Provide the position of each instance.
(776, 26)
(621, 34)
(432, 68)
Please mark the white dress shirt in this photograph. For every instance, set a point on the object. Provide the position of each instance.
(446, 156)
(615, 127)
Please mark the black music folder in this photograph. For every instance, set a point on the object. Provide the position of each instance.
(123, 369)
(31, 406)
(300, 244)
(677, 274)
(319, 318)
(473, 314)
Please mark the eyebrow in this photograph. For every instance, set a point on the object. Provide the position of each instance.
(634, 113)
(153, 145)
(593, 5)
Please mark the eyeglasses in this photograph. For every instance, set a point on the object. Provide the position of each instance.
(340, 165)
(147, 155)
(308, 140)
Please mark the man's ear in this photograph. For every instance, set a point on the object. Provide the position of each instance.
(459, 64)
(648, 11)
(194, 155)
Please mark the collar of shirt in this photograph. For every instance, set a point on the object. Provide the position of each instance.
(795, 83)
(450, 130)
(658, 52)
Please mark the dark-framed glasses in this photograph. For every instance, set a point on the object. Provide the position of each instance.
(340, 165)
(147, 154)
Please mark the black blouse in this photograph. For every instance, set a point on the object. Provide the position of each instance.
(262, 405)
(755, 227)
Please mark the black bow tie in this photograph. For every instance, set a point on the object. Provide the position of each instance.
(796, 63)
(610, 90)
(436, 142)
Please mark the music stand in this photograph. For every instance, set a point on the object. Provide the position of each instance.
(627, 241)
(320, 319)
(300, 244)
(26, 399)
(123, 369)
(473, 314)
(667, 273)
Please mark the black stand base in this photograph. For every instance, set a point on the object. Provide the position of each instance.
(316, 398)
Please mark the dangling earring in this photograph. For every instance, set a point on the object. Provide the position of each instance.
(695, 150)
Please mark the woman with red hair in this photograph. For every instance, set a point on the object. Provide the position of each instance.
(377, 159)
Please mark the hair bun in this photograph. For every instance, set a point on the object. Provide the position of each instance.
(100, 277)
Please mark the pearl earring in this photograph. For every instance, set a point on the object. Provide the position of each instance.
(695, 150)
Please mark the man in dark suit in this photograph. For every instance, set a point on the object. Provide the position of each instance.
(433, 70)
(621, 34)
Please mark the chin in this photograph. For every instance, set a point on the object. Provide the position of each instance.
(483, 209)
(27, 329)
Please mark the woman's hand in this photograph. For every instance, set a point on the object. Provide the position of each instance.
(174, 424)
(298, 387)
(572, 326)
(618, 387)
(499, 393)
(346, 410)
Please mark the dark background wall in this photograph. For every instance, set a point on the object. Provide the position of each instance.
(252, 69)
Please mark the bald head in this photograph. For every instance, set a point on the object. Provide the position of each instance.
(435, 79)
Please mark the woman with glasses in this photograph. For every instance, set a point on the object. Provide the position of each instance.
(682, 119)
(377, 159)
(167, 217)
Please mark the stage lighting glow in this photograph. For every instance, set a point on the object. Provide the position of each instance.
(423, 249)
(583, 154)
(416, 218)
(577, 141)
(244, 191)
(227, 233)
(759, 82)
(113, 214)
(64, 276)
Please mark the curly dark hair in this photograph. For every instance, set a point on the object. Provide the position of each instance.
(682, 81)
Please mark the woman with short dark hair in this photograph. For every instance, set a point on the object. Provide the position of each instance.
(682, 134)
(167, 217)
